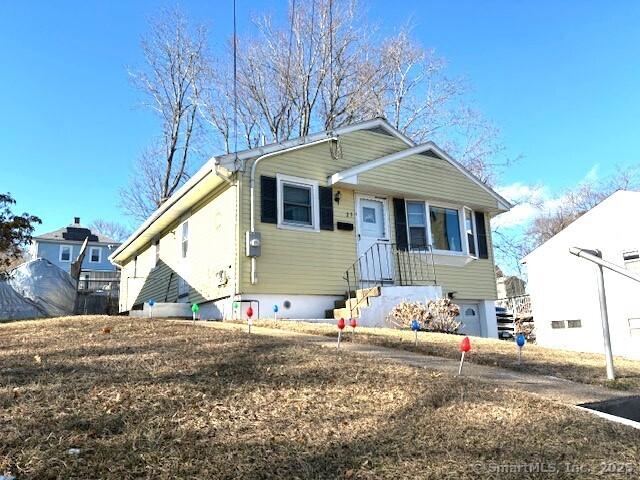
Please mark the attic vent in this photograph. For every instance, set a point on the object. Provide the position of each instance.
(432, 154)
(380, 130)
(630, 255)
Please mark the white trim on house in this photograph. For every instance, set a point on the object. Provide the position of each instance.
(350, 174)
(91, 260)
(230, 159)
(312, 185)
(70, 247)
(222, 166)
(455, 258)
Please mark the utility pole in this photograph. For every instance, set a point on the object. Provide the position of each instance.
(595, 256)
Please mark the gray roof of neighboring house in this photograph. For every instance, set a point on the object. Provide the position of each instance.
(75, 233)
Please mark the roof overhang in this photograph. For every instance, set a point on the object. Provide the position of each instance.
(350, 175)
(208, 178)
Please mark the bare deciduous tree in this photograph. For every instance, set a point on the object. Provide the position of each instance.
(172, 83)
(579, 200)
(113, 230)
(326, 67)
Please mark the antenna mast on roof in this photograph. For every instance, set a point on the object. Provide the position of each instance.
(235, 86)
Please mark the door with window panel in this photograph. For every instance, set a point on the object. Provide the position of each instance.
(470, 319)
(376, 261)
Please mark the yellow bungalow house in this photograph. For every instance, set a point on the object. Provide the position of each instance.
(335, 224)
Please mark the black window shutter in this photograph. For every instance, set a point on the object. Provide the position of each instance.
(268, 200)
(401, 223)
(326, 208)
(483, 249)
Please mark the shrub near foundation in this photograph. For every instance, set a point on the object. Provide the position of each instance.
(434, 316)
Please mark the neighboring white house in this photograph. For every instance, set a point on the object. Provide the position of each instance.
(564, 290)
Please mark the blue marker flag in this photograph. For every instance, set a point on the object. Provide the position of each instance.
(520, 340)
(275, 308)
(151, 302)
(415, 326)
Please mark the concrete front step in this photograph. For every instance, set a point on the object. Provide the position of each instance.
(358, 300)
(345, 313)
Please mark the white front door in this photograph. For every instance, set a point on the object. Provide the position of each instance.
(470, 319)
(375, 261)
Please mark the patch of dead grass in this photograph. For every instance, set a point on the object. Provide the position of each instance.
(579, 367)
(155, 399)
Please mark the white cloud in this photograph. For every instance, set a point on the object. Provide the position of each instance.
(530, 200)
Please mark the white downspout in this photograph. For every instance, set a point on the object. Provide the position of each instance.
(252, 182)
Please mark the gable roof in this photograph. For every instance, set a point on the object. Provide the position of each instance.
(429, 147)
(218, 169)
(75, 233)
(378, 125)
(585, 217)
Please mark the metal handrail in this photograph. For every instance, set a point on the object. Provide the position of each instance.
(412, 266)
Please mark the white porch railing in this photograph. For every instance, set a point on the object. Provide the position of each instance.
(519, 306)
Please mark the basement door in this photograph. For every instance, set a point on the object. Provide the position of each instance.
(374, 248)
(470, 319)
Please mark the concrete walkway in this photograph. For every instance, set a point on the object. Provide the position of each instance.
(557, 389)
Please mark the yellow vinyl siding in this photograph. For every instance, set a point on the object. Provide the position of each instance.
(420, 176)
(212, 247)
(306, 262)
(299, 262)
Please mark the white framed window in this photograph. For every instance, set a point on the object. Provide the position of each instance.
(157, 255)
(437, 226)
(298, 203)
(65, 253)
(470, 231)
(417, 224)
(95, 254)
(185, 239)
(444, 225)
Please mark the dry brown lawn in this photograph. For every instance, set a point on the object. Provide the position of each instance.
(579, 367)
(154, 399)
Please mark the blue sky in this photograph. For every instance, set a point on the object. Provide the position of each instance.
(559, 78)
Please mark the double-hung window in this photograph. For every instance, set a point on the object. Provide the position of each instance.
(470, 230)
(417, 221)
(157, 256)
(185, 239)
(65, 253)
(298, 203)
(95, 254)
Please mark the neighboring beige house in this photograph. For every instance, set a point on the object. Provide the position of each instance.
(300, 223)
(509, 286)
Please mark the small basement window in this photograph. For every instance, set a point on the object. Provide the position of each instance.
(556, 324)
(574, 323)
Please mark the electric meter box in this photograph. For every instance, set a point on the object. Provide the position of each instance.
(254, 244)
